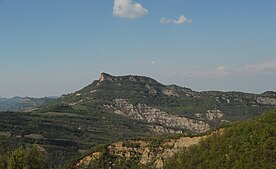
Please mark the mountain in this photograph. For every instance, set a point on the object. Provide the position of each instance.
(115, 108)
(167, 108)
(247, 144)
(20, 103)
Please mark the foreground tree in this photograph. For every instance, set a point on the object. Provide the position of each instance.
(23, 158)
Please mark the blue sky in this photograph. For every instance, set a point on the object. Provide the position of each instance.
(58, 46)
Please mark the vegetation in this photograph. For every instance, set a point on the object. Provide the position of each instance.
(129, 157)
(65, 136)
(21, 103)
(23, 158)
(73, 124)
(182, 101)
(248, 144)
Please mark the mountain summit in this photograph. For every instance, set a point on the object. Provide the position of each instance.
(133, 78)
(105, 76)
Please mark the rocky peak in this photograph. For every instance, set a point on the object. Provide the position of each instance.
(132, 78)
(105, 76)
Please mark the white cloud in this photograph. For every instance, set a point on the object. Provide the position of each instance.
(181, 20)
(164, 20)
(128, 9)
(220, 71)
(263, 68)
(266, 68)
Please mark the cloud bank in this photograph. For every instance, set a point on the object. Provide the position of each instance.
(181, 20)
(263, 68)
(128, 9)
(220, 71)
(266, 68)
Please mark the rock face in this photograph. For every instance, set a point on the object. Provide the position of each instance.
(159, 130)
(107, 77)
(266, 101)
(156, 116)
(86, 160)
(146, 151)
(131, 78)
(214, 114)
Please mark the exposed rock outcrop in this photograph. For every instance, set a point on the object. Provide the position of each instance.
(148, 152)
(105, 76)
(159, 130)
(157, 116)
(266, 101)
(214, 114)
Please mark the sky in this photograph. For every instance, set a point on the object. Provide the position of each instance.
(54, 47)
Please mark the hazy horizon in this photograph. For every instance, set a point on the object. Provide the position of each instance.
(50, 48)
(76, 89)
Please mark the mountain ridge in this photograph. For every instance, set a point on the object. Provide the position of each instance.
(166, 107)
(108, 76)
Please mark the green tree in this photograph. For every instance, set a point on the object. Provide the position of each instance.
(23, 158)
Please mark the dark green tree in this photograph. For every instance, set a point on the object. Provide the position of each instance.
(23, 158)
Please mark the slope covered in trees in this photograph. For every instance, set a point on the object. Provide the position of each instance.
(247, 144)
(23, 158)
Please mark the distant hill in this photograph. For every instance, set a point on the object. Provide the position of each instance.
(20, 103)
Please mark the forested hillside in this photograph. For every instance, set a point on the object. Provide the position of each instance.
(248, 144)
(31, 157)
